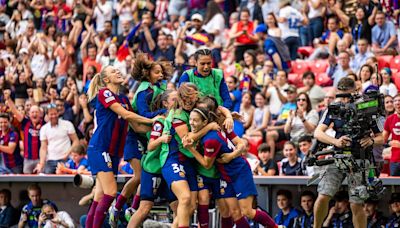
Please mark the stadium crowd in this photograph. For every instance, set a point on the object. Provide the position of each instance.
(280, 62)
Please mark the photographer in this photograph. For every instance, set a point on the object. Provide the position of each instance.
(50, 218)
(332, 178)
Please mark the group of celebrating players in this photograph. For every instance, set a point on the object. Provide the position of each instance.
(182, 139)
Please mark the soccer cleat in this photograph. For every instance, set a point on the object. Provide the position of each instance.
(128, 213)
(114, 217)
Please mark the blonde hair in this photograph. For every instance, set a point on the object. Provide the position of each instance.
(185, 90)
(97, 83)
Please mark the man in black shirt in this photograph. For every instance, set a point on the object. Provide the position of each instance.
(340, 214)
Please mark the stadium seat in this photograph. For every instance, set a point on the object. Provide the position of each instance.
(299, 67)
(395, 63)
(295, 79)
(384, 61)
(305, 51)
(319, 66)
(322, 79)
(396, 79)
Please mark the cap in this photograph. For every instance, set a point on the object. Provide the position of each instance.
(261, 28)
(197, 16)
(291, 88)
(23, 51)
(395, 197)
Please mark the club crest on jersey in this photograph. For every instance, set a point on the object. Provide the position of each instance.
(108, 95)
(109, 164)
(157, 127)
(181, 174)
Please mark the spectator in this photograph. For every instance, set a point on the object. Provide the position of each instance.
(31, 211)
(361, 57)
(247, 110)
(214, 23)
(265, 76)
(391, 129)
(315, 14)
(301, 121)
(375, 217)
(254, 9)
(276, 133)
(287, 213)
(267, 166)
(51, 218)
(361, 23)
(7, 212)
(337, 72)
(242, 33)
(394, 203)
(56, 137)
(305, 143)
(340, 214)
(111, 59)
(161, 50)
(291, 164)
(306, 218)
(235, 94)
(178, 9)
(384, 38)
(314, 91)
(276, 93)
(77, 162)
(30, 128)
(89, 53)
(389, 108)
(387, 87)
(261, 118)
(9, 147)
(364, 75)
(289, 21)
(102, 13)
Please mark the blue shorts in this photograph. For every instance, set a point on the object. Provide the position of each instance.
(152, 186)
(243, 183)
(135, 146)
(101, 161)
(219, 188)
(174, 170)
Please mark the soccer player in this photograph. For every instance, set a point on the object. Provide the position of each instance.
(112, 114)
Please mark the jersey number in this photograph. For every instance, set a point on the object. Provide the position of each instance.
(293, 23)
(177, 168)
(106, 157)
(156, 182)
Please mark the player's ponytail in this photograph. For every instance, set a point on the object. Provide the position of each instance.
(96, 84)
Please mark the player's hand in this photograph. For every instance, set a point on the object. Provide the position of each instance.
(24, 217)
(187, 142)
(237, 116)
(165, 138)
(228, 124)
(157, 117)
(342, 141)
(366, 142)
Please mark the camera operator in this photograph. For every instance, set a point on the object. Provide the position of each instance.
(332, 178)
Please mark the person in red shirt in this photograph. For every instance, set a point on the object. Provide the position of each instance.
(392, 128)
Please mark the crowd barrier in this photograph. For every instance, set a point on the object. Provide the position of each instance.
(60, 189)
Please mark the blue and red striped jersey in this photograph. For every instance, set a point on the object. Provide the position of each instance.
(216, 143)
(110, 130)
(14, 159)
(31, 138)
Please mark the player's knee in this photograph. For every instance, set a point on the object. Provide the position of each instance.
(184, 200)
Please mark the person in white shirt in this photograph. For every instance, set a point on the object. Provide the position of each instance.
(214, 23)
(102, 13)
(55, 138)
(50, 218)
(276, 93)
(387, 87)
(289, 21)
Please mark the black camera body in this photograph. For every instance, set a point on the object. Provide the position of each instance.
(359, 115)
